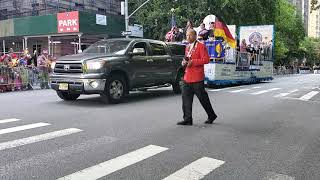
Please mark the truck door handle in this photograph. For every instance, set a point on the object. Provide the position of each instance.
(169, 60)
(149, 60)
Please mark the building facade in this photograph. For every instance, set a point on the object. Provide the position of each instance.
(20, 8)
(311, 19)
(60, 26)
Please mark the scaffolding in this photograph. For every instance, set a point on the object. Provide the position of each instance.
(21, 8)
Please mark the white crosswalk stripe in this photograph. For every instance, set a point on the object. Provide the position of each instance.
(309, 95)
(240, 90)
(113, 165)
(21, 128)
(245, 89)
(196, 170)
(276, 176)
(38, 138)
(223, 89)
(286, 94)
(257, 87)
(8, 120)
(265, 91)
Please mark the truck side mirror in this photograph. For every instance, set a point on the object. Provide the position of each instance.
(138, 52)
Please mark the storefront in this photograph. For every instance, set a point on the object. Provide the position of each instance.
(61, 34)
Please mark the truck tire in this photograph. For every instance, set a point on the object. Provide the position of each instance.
(67, 96)
(115, 89)
(176, 86)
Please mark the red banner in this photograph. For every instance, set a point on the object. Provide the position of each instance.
(68, 22)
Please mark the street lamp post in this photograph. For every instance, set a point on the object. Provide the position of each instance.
(126, 13)
(173, 23)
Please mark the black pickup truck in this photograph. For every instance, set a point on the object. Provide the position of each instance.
(113, 67)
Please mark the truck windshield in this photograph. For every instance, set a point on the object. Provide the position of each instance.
(108, 47)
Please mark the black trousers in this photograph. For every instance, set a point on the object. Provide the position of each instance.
(188, 91)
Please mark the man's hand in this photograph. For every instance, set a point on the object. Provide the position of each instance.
(184, 62)
(189, 63)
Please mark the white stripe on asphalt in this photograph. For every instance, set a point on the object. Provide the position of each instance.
(216, 90)
(70, 152)
(113, 165)
(8, 120)
(196, 170)
(240, 90)
(257, 87)
(286, 94)
(309, 95)
(34, 139)
(276, 176)
(265, 91)
(21, 128)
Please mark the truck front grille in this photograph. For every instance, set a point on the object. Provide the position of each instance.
(68, 68)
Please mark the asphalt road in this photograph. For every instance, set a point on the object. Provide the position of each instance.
(264, 131)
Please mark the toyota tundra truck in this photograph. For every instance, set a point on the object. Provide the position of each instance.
(114, 67)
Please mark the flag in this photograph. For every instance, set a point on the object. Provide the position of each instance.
(222, 30)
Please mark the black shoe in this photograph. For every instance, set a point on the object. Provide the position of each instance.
(210, 120)
(185, 123)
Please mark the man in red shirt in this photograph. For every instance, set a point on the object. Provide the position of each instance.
(195, 58)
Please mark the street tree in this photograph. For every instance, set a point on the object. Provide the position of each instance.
(314, 5)
(310, 48)
(156, 16)
(288, 24)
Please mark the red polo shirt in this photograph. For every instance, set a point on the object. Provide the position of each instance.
(199, 57)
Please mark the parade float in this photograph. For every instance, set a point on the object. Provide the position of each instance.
(250, 61)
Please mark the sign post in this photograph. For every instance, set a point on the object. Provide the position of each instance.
(126, 33)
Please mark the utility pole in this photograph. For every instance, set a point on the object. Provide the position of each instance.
(126, 13)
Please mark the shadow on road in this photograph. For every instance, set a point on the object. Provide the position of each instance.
(134, 97)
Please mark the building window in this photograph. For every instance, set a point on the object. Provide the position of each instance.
(34, 5)
(102, 10)
(3, 14)
(79, 6)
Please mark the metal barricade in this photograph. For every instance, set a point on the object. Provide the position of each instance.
(22, 78)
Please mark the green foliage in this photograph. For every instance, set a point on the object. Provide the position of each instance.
(156, 15)
(314, 5)
(289, 32)
(156, 19)
(310, 47)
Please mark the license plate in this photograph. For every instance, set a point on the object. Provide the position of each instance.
(63, 86)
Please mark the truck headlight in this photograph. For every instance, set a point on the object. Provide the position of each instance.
(93, 65)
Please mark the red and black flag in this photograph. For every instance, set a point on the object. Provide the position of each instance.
(222, 30)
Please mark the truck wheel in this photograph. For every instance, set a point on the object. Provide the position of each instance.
(67, 96)
(176, 86)
(115, 89)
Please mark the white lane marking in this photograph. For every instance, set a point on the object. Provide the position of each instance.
(8, 120)
(257, 87)
(38, 138)
(240, 90)
(265, 91)
(276, 176)
(308, 96)
(37, 161)
(196, 170)
(286, 94)
(113, 165)
(216, 90)
(21, 128)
